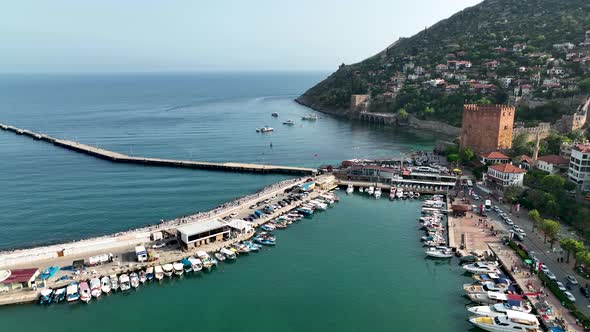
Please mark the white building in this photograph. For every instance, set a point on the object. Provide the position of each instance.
(579, 167)
(202, 232)
(505, 175)
(552, 164)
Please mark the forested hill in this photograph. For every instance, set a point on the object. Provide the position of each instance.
(490, 53)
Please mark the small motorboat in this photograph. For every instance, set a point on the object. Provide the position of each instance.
(289, 122)
(114, 282)
(59, 295)
(228, 253)
(178, 268)
(46, 296)
(274, 114)
(142, 276)
(187, 265)
(310, 117)
(149, 273)
(124, 282)
(350, 189)
(72, 293)
(196, 264)
(134, 280)
(252, 246)
(439, 252)
(105, 285)
(168, 270)
(205, 259)
(219, 256)
(95, 287)
(158, 272)
(264, 130)
(85, 294)
(267, 241)
(268, 227)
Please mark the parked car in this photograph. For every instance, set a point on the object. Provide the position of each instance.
(560, 286)
(569, 296)
(550, 275)
(159, 245)
(233, 215)
(571, 280)
(585, 292)
(544, 268)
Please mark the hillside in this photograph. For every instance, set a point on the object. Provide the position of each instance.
(528, 52)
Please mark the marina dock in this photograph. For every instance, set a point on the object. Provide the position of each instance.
(387, 187)
(122, 158)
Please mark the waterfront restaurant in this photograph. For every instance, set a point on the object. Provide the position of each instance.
(202, 233)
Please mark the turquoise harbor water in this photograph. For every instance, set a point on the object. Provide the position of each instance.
(357, 267)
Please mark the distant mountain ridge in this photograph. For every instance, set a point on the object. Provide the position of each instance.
(498, 51)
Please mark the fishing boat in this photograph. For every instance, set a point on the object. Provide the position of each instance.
(105, 285)
(268, 227)
(178, 268)
(305, 211)
(265, 239)
(252, 246)
(310, 117)
(498, 309)
(399, 193)
(85, 294)
(158, 272)
(439, 252)
(289, 122)
(114, 282)
(482, 267)
(134, 280)
(187, 265)
(241, 248)
(46, 296)
(196, 264)
(72, 292)
(205, 259)
(124, 282)
(377, 193)
(219, 256)
(149, 273)
(95, 288)
(49, 272)
(361, 189)
(511, 321)
(168, 269)
(228, 253)
(371, 190)
(59, 295)
(142, 276)
(274, 114)
(350, 189)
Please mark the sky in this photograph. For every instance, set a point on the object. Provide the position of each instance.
(199, 35)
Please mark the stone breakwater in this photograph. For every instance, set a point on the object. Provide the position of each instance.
(133, 237)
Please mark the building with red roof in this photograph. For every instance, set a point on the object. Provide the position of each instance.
(494, 157)
(18, 278)
(552, 164)
(505, 175)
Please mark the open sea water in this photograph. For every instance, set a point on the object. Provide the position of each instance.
(356, 267)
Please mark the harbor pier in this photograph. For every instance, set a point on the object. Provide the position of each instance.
(122, 158)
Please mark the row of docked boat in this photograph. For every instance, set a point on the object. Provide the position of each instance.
(432, 223)
(394, 193)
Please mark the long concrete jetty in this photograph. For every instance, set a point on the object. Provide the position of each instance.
(122, 158)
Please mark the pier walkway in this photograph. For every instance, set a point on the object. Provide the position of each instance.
(122, 158)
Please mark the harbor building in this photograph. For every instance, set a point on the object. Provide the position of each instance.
(202, 233)
(487, 128)
(502, 176)
(579, 166)
(18, 278)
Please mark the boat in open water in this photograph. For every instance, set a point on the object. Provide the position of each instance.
(310, 117)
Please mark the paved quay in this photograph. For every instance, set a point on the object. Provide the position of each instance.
(122, 158)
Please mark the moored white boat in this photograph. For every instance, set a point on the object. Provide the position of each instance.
(219, 256)
(205, 259)
(158, 272)
(142, 276)
(228, 253)
(134, 280)
(105, 285)
(95, 287)
(497, 309)
(85, 294)
(72, 292)
(350, 189)
(149, 273)
(168, 269)
(196, 264)
(482, 267)
(114, 282)
(512, 321)
(371, 190)
(377, 192)
(439, 252)
(124, 282)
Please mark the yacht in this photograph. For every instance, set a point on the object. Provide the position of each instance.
(289, 122)
(114, 282)
(105, 285)
(350, 189)
(72, 292)
(439, 252)
(488, 286)
(95, 288)
(85, 294)
(512, 321)
(158, 272)
(482, 267)
(124, 283)
(264, 130)
(498, 309)
(310, 117)
(488, 297)
(134, 280)
(168, 269)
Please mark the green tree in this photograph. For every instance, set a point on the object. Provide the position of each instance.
(520, 145)
(582, 257)
(553, 182)
(428, 110)
(484, 101)
(536, 217)
(403, 114)
(513, 193)
(453, 157)
(571, 245)
(468, 154)
(584, 85)
(550, 230)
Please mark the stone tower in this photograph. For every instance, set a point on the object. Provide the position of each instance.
(487, 127)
